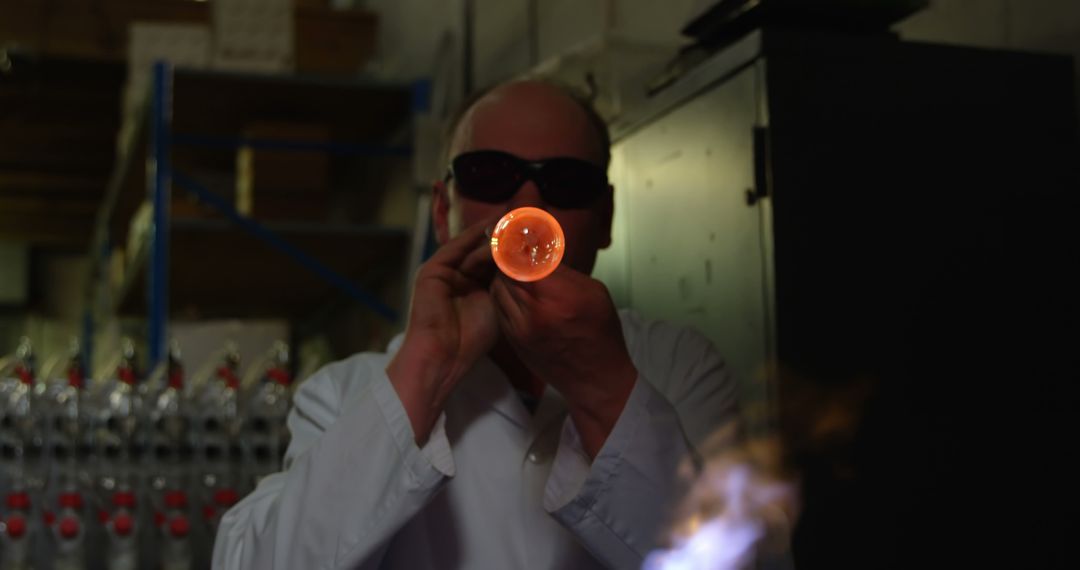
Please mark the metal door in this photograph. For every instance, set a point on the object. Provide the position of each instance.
(688, 247)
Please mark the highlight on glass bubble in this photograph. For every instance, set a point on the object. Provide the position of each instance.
(527, 244)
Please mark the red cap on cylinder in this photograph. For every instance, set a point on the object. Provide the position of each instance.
(69, 527)
(25, 375)
(226, 497)
(123, 524)
(16, 526)
(175, 499)
(71, 500)
(228, 376)
(19, 500)
(124, 499)
(126, 374)
(279, 375)
(179, 527)
(76, 378)
(176, 378)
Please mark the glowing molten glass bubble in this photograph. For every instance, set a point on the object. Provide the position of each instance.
(527, 244)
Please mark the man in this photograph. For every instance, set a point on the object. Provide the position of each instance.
(513, 425)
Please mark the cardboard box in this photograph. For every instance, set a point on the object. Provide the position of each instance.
(278, 209)
(253, 35)
(284, 172)
(334, 42)
(272, 184)
(182, 45)
(221, 183)
(89, 30)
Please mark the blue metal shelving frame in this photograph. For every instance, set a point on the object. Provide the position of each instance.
(162, 177)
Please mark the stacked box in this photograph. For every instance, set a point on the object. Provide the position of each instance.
(276, 184)
(253, 35)
(182, 45)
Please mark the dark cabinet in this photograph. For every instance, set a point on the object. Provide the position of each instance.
(866, 210)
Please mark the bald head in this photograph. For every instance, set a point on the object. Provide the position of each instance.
(535, 121)
(535, 113)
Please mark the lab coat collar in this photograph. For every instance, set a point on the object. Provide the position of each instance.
(487, 384)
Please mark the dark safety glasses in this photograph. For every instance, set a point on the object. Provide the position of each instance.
(493, 176)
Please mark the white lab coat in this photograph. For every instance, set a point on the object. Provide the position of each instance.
(494, 487)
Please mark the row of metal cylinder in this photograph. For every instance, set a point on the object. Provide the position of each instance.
(128, 470)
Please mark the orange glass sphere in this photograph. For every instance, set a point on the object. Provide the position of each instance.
(527, 244)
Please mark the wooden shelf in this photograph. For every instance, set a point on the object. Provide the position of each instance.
(326, 40)
(219, 106)
(217, 270)
(222, 103)
(58, 126)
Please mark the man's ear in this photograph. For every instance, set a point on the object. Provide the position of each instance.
(440, 211)
(606, 213)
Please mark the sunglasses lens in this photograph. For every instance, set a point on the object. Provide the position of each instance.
(487, 176)
(494, 177)
(572, 183)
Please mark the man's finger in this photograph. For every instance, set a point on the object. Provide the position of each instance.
(453, 252)
(506, 323)
(507, 303)
(562, 278)
(563, 283)
(478, 264)
(456, 280)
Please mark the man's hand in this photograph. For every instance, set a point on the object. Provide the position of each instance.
(452, 324)
(567, 332)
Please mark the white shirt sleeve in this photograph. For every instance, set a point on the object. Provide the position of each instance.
(618, 505)
(353, 476)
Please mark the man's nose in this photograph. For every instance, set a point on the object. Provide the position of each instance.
(527, 195)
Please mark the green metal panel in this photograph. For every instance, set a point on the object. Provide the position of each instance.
(687, 246)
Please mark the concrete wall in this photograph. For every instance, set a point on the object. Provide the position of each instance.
(410, 30)
(409, 34)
